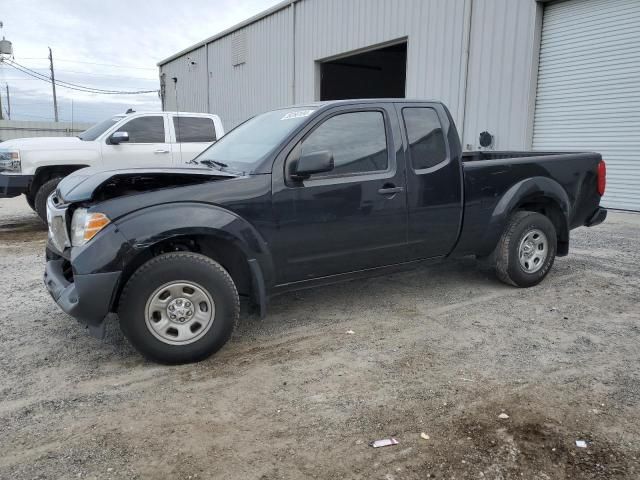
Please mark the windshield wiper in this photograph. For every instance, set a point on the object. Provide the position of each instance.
(220, 166)
(211, 163)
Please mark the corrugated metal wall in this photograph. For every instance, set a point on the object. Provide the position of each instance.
(10, 129)
(191, 72)
(502, 72)
(589, 89)
(501, 62)
(435, 48)
(263, 81)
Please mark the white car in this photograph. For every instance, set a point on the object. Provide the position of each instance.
(34, 166)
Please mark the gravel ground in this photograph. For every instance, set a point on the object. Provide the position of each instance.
(442, 350)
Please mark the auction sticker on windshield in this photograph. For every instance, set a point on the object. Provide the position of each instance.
(297, 114)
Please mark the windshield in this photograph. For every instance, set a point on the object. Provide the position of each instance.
(98, 129)
(243, 148)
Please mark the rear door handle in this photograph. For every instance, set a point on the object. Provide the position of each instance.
(161, 151)
(390, 190)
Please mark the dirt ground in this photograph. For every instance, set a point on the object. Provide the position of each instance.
(442, 350)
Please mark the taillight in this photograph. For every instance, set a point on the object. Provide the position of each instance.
(602, 177)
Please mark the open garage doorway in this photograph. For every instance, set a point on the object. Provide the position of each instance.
(379, 73)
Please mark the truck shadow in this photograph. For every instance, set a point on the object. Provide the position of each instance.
(396, 292)
(346, 302)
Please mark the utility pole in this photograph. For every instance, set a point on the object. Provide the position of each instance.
(53, 84)
(6, 51)
(8, 104)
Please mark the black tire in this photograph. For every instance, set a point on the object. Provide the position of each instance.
(42, 195)
(31, 201)
(508, 266)
(176, 267)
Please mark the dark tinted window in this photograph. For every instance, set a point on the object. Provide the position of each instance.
(357, 141)
(145, 130)
(98, 129)
(194, 129)
(426, 140)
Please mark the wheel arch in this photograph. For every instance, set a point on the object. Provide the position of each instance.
(44, 174)
(552, 210)
(537, 194)
(228, 240)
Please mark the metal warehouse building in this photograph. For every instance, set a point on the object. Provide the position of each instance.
(561, 75)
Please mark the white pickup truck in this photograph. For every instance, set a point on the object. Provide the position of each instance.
(34, 166)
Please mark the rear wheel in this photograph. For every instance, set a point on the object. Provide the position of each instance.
(40, 200)
(527, 249)
(179, 308)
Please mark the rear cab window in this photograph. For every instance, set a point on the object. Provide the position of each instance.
(427, 145)
(194, 129)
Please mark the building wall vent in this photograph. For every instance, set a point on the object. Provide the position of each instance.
(238, 47)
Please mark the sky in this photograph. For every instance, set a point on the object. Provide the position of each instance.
(112, 45)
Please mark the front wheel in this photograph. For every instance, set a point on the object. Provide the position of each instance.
(527, 249)
(31, 201)
(179, 308)
(42, 195)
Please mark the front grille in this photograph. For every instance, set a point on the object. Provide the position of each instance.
(57, 220)
(55, 200)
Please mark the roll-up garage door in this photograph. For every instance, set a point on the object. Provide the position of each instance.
(589, 89)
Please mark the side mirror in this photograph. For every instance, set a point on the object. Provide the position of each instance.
(316, 162)
(118, 137)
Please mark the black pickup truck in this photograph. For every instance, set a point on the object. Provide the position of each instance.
(301, 197)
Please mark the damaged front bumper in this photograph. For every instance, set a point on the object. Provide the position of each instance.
(87, 297)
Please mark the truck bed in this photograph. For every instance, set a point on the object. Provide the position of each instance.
(481, 155)
(492, 179)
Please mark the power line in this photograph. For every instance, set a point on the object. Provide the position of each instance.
(44, 78)
(72, 86)
(64, 70)
(101, 74)
(123, 75)
(94, 74)
(107, 64)
(22, 79)
(89, 107)
(90, 63)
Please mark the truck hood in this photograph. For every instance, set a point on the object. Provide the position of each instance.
(45, 143)
(99, 184)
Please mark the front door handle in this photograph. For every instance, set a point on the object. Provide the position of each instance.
(389, 189)
(161, 151)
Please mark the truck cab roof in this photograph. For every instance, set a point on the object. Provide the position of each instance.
(360, 101)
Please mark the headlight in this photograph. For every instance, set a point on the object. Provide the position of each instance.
(10, 160)
(85, 226)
